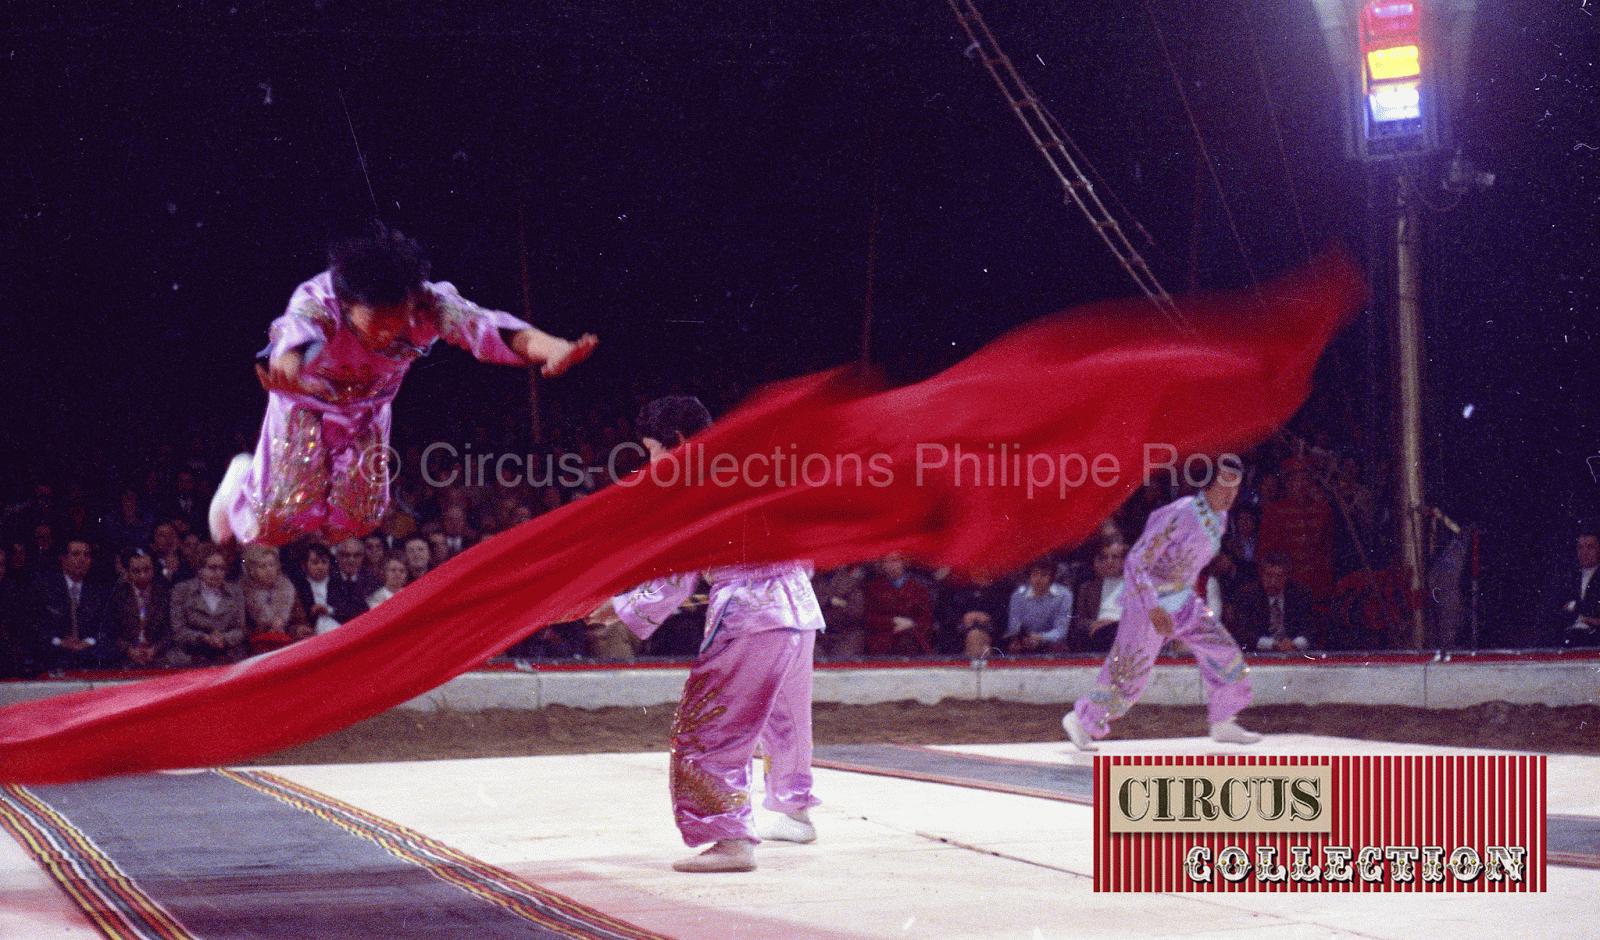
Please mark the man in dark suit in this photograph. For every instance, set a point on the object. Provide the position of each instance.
(1272, 612)
(1574, 614)
(349, 584)
(71, 614)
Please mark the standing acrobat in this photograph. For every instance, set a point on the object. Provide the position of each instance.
(750, 685)
(335, 361)
(1159, 603)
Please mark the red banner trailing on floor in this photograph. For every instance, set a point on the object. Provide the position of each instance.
(1024, 447)
(1424, 823)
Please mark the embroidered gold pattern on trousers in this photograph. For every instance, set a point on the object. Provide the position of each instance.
(1126, 669)
(692, 787)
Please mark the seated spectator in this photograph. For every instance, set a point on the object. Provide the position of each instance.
(558, 641)
(394, 578)
(1097, 606)
(1301, 525)
(313, 587)
(192, 547)
(208, 620)
(438, 551)
(348, 586)
(611, 642)
(397, 522)
(377, 561)
(970, 611)
(897, 610)
(1040, 613)
(418, 558)
(172, 568)
(71, 614)
(839, 592)
(141, 612)
(1273, 613)
(1240, 546)
(1573, 616)
(129, 526)
(13, 623)
(458, 535)
(183, 505)
(273, 615)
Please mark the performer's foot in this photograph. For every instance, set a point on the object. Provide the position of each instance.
(790, 827)
(221, 531)
(1229, 732)
(1080, 736)
(727, 855)
(581, 349)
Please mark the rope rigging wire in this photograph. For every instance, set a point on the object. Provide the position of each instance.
(1048, 136)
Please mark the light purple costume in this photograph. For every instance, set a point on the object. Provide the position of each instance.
(1161, 570)
(750, 686)
(321, 463)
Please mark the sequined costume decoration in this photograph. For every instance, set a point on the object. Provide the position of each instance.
(1179, 539)
(319, 464)
(749, 690)
(695, 791)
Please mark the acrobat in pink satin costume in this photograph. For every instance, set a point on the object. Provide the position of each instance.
(1179, 539)
(750, 687)
(321, 463)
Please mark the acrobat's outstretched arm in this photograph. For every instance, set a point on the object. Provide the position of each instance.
(556, 354)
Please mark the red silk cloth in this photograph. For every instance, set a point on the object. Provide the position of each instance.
(1085, 389)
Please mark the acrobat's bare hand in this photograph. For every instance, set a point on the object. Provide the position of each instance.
(1161, 621)
(281, 374)
(604, 614)
(576, 352)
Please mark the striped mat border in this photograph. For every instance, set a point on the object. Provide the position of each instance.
(121, 910)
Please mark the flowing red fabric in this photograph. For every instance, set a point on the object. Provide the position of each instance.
(825, 467)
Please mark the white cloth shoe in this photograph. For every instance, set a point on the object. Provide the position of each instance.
(1229, 732)
(789, 827)
(1078, 733)
(727, 855)
(221, 530)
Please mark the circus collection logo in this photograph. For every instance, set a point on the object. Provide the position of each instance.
(1353, 823)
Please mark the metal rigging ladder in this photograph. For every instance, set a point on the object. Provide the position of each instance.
(1045, 132)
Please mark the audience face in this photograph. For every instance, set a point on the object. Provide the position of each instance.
(1039, 581)
(394, 574)
(1108, 561)
(454, 522)
(76, 560)
(213, 568)
(376, 553)
(351, 555)
(191, 548)
(417, 556)
(1274, 578)
(317, 567)
(263, 568)
(1588, 551)
(141, 571)
(893, 567)
(164, 539)
(44, 540)
(439, 548)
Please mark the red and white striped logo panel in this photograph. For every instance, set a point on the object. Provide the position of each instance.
(1349, 823)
